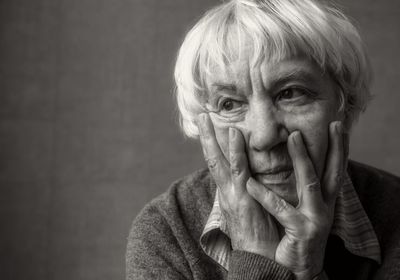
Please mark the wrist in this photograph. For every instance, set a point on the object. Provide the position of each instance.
(265, 250)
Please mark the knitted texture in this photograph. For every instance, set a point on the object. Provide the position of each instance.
(262, 268)
(164, 239)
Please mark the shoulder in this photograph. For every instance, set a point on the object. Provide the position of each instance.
(189, 198)
(164, 235)
(379, 193)
(368, 174)
(181, 211)
(372, 183)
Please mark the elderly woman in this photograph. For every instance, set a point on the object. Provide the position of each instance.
(272, 89)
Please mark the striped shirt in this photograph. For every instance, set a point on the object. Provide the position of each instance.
(350, 223)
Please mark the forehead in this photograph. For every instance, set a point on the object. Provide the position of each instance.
(244, 74)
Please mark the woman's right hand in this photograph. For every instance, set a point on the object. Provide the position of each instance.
(250, 227)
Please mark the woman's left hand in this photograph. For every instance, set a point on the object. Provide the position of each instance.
(307, 226)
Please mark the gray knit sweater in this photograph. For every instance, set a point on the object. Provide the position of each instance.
(164, 240)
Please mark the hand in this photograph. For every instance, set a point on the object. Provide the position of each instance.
(249, 226)
(307, 226)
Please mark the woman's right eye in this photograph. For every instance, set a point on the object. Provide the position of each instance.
(229, 105)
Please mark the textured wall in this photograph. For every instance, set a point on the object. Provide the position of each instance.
(88, 129)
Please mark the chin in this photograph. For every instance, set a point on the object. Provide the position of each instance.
(283, 185)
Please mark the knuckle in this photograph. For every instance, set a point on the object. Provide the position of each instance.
(338, 178)
(313, 187)
(244, 204)
(235, 171)
(205, 137)
(280, 206)
(212, 163)
(235, 164)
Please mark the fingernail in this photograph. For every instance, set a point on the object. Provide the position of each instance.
(232, 133)
(251, 184)
(339, 127)
(296, 137)
(199, 123)
(201, 120)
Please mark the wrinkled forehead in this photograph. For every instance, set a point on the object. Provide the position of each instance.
(247, 69)
(243, 75)
(241, 58)
(230, 73)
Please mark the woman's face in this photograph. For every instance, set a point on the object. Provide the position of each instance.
(266, 104)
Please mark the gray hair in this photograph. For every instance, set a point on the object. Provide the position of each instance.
(276, 29)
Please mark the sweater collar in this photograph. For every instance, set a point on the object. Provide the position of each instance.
(350, 223)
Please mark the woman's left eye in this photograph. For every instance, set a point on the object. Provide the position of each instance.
(292, 94)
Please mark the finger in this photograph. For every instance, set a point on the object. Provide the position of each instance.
(346, 143)
(288, 216)
(216, 162)
(238, 159)
(335, 162)
(307, 181)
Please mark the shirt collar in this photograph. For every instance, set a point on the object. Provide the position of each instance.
(350, 223)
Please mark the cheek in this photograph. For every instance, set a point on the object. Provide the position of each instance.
(313, 123)
(314, 127)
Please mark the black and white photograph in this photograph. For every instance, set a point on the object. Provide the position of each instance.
(199, 140)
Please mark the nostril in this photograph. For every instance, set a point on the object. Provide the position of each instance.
(268, 136)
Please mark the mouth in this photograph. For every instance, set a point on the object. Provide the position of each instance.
(278, 175)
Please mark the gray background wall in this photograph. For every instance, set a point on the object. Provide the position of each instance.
(88, 129)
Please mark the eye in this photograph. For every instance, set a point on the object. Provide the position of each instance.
(292, 93)
(228, 105)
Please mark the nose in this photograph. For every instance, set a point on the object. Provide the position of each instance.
(266, 128)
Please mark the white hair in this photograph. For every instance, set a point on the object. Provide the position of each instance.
(276, 30)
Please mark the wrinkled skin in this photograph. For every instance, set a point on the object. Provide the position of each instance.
(273, 141)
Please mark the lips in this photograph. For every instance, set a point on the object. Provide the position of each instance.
(276, 175)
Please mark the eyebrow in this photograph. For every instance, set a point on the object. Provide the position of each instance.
(217, 88)
(224, 86)
(296, 74)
